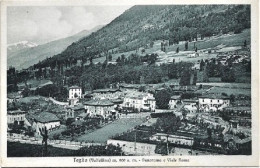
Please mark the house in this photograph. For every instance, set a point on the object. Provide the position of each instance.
(75, 93)
(175, 86)
(196, 66)
(130, 87)
(45, 119)
(139, 101)
(178, 138)
(16, 116)
(74, 112)
(107, 94)
(190, 105)
(102, 108)
(213, 102)
(117, 103)
(196, 54)
(13, 97)
(174, 101)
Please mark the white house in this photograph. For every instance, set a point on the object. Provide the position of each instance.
(213, 102)
(75, 93)
(193, 55)
(196, 66)
(104, 108)
(45, 119)
(140, 101)
(174, 101)
(191, 105)
(15, 116)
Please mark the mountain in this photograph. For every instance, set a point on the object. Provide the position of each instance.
(140, 25)
(19, 46)
(26, 57)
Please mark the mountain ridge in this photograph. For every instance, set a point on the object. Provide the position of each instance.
(141, 25)
(28, 56)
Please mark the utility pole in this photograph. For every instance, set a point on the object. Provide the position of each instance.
(135, 142)
(167, 136)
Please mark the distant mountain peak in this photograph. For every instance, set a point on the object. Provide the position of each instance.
(20, 45)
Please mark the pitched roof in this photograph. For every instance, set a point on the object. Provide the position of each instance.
(99, 103)
(15, 112)
(176, 97)
(74, 87)
(45, 117)
(214, 96)
(106, 90)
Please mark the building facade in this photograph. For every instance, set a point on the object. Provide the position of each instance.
(213, 102)
(174, 101)
(104, 108)
(140, 102)
(75, 93)
(45, 119)
(15, 116)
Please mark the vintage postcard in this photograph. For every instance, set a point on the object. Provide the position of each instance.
(139, 83)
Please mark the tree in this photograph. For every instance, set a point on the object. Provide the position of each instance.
(168, 123)
(44, 134)
(186, 45)
(245, 44)
(110, 57)
(232, 98)
(202, 64)
(177, 50)
(162, 99)
(151, 44)
(26, 92)
(185, 78)
(228, 75)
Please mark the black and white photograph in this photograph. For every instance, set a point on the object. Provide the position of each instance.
(133, 80)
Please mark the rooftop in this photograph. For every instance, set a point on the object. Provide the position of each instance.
(99, 103)
(16, 112)
(214, 96)
(176, 97)
(74, 87)
(106, 90)
(45, 117)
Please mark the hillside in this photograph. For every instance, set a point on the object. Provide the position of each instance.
(27, 57)
(15, 47)
(139, 26)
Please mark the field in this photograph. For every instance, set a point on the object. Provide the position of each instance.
(103, 134)
(229, 88)
(230, 41)
(229, 91)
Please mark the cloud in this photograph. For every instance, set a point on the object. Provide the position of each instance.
(44, 24)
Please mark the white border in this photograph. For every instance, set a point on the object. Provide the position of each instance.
(252, 160)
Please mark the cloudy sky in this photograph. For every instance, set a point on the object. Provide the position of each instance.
(44, 24)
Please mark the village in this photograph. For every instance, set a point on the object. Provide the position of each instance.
(167, 118)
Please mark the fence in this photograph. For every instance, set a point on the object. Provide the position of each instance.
(55, 143)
